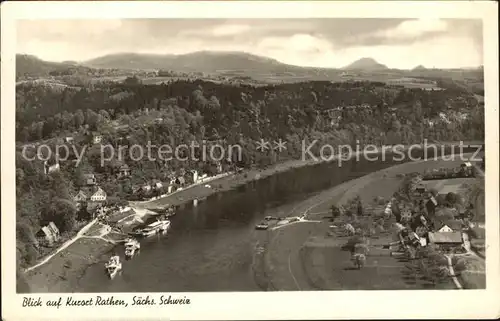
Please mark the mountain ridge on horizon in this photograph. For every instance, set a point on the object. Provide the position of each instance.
(204, 61)
(366, 63)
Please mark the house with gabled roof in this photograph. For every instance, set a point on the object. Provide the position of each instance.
(406, 214)
(96, 137)
(80, 197)
(446, 240)
(180, 180)
(89, 179)
(99, 195)
(450, 226)
(48, 234)
(123, 171)
(51, 167)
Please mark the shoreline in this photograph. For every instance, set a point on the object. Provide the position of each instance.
(56, 269)
(282, 261)
(233, 180)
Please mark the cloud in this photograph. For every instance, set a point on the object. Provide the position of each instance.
(57, 30)
(414, 28)
(436, 52)
(309, 42)
(230, 30)
(296, 43)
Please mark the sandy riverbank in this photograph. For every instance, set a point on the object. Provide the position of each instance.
(61, 274)
(301, 256)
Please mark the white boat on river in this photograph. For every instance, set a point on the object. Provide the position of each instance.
(160, 226)
(113, 266)
(132, 246)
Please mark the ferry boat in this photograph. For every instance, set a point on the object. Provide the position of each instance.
(156, 227)
(262, 226)
(131, 247)
(113, 266)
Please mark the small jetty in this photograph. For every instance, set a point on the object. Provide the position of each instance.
(169, 211)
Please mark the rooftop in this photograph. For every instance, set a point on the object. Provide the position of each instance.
(445, 237)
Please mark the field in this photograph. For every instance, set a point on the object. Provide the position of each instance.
(445, 186)
(330, 268)
(413, 83)
(474, 276)
(388, 181)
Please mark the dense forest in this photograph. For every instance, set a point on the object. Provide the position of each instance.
(180, 112)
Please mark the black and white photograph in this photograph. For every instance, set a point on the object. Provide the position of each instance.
(162, 156)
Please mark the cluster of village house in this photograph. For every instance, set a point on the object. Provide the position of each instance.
(417, 219)
(445, 234)
(447, 117)
(94, 197)
(443, 117)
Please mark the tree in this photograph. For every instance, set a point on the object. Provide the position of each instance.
(451, 199)
(360, 208)
(353, 242)
(79, 118)
(359, 260)
(116, 201)
(335, 211)
(132, 81)
(446, 214)
(25, 233)
(432, 265)
(460, 265)
(60, 211)
(379, 200)
(83, 214)
(434, 192)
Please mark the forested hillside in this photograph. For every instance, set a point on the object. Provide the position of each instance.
(181, 112)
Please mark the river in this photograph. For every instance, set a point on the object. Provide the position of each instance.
(211, 247)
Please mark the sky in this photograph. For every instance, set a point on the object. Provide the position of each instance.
(329, 43)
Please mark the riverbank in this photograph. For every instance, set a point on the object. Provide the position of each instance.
(229, 182)
(226, 183)
(304, 256)
(54, 275)
(60, 272)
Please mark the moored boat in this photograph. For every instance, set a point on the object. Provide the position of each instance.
(113, 266)
(159, 226)
(262, 226)
(132, 246)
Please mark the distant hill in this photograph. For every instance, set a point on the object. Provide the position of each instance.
(204, 61)
(366, 64)
(70, 62)
(419, 68)
(33, 66)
